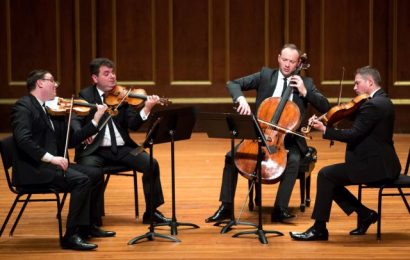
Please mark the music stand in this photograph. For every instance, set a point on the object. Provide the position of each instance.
(250, 123)
(222, 126)
(170, 125)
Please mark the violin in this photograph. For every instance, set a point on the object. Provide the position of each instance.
(132, 96)
(339, 112)
(79, 106)
(278, 116)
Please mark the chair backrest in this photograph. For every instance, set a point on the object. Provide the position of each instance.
(6, 151)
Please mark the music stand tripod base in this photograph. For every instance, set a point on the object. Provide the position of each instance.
(174, 224)
(232, 222)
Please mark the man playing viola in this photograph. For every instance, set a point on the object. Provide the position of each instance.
(112, 144)
(370, 157)
(270, 83)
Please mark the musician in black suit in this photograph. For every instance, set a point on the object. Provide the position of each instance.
(113, 144)
(370, 157)
(38, 161)
(270, 83)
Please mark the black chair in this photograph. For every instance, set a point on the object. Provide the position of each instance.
(307, 164)
(123, 171)
(402, 182)
(6, 150)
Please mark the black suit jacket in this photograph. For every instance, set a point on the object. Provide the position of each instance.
(370, 154)
(264, 82)
(127, 118)
(33, 137)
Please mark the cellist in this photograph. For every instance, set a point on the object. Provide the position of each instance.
(271, 83)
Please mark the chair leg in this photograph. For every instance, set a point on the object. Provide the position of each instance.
(404, 199)
(20, 214)
(107, 178)
(308, 191)
(379, 212)
(59, 208)
(137, 214)
(302, 191)
(359, 198)
(9, 214)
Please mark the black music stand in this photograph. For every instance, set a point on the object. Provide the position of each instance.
(249, 124)
(170, 125)
(223, 126)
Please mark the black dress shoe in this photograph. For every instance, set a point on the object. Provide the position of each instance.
(312, 234)
(365, 223)
(222, 213)
(280, 214)
(96, 231)
(75, 242)
(157, 218)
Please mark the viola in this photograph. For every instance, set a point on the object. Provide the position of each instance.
(80, 107)
(132, 96)
(339, 112)
(276, 114)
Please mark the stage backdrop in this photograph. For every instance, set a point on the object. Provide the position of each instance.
(187, 50)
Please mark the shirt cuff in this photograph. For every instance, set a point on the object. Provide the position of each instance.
(47, 157)
(240, 98)
(143, 115)
(94, 123)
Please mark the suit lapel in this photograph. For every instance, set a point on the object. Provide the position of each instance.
(41, 111)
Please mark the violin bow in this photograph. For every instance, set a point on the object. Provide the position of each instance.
(68, 129)
(341, 86)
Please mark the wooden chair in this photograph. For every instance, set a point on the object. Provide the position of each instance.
(123, 171)
(6, 150)
(402, 182)
(307, 164)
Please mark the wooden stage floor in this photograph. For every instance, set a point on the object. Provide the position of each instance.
(199, 163)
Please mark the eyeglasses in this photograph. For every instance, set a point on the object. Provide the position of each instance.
(52, 81)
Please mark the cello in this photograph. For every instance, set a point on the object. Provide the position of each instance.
(278, 116)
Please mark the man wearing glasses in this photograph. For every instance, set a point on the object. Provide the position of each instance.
(39, 143)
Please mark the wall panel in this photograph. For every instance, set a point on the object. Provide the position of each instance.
(188, 49)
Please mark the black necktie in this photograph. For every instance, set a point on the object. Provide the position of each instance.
(285, 84)
(114, 148)
(47, 115)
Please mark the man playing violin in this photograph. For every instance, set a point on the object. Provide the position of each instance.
(38, 161)
(370, 157)
(270, 83)
(113, 144)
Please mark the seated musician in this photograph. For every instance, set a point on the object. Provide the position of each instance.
(370, 157)
(38, 162)
(270, 83)
(113, 144)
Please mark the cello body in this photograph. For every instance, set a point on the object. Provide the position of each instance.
(274, 164)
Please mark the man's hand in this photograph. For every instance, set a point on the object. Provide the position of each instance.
(297, 83)
(150, 103)
(100, 112)
(89, 140)
(60, 161)
(317, 124)
(243, 106)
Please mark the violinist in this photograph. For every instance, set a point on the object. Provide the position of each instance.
(38, 160)
(270, 83)
(370, 157)
(113, 144)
